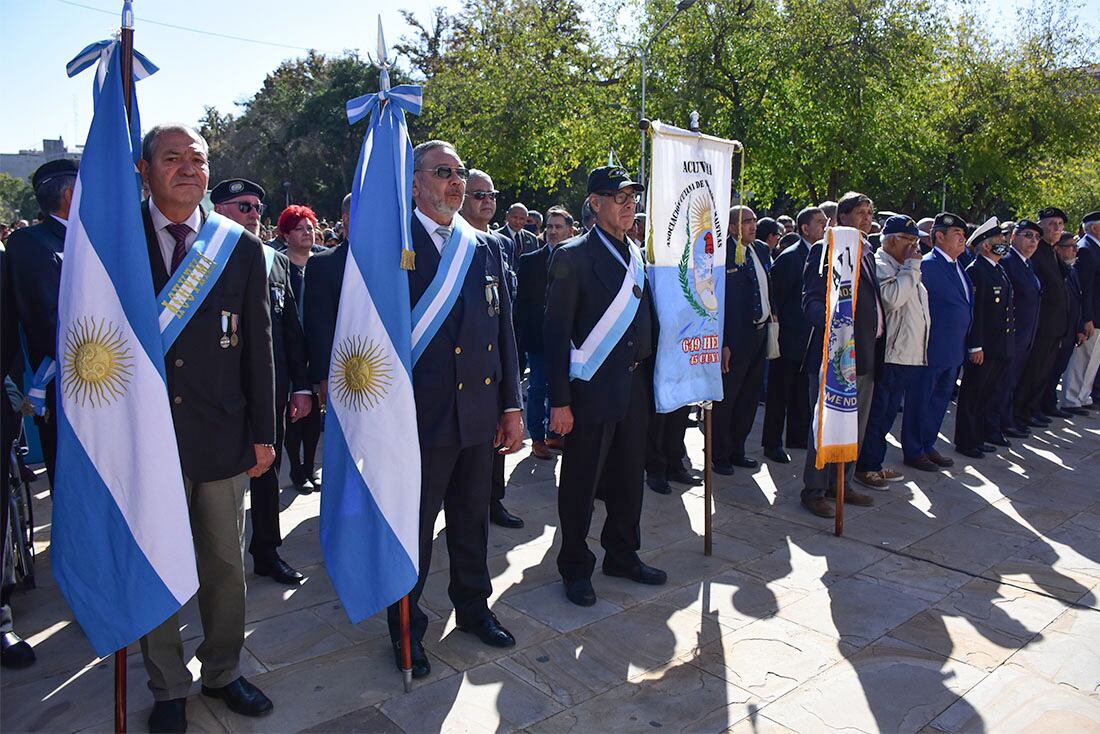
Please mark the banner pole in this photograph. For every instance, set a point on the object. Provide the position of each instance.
(708, 478)
(406, 643)
(838, 528)
(120, 691)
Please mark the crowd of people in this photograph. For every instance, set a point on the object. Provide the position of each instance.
(996, 313)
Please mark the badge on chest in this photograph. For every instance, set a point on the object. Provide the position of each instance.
(229, 336)
(492, 294)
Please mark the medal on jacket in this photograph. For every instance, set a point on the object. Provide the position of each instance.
(224, 341)
(637, 291)
(233, 340)
(492, 294)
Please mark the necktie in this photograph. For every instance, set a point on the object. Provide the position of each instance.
(517, 248)
(179, 233)
(445, 233)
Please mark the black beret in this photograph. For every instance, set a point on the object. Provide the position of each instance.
(53, 169)
(1028, 224)
(1091, 217)
(947, 219)
(1052, 211)
(234, 187)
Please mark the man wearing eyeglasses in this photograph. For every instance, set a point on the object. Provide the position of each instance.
(466, 388)
(600, 335)
(240, 200)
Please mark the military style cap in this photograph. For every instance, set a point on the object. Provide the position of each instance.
(900, 224)
(1091, 217)
(1028, 224)
(234, 187)
(1007, 227)
(990, 228)
(53, 169)
(947, 219)
(1052, 211)
(611, 178)
(925, 226)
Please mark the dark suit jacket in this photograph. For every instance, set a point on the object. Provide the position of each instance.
(993, 328)
(512, 256)
(11, 358)
(532, 276)
(1026, 292)
(742, 293)
(584, 278)
(287, 338)
(1087, 267)
(323, 282)
(469, 372)
(786, 290)
(1052, 307)
(223, 400)
(870, 351)
(34, 276)
(1074, 306)
(948, 309)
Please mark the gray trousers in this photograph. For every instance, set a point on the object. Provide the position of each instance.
(217, 525)
(814, 480)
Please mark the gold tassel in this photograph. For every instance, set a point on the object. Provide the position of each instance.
(739, 253)
(408, 260)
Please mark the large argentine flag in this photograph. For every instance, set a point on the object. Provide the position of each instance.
(121, 541)
(371, 504)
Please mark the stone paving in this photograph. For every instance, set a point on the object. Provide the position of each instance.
(963, 601)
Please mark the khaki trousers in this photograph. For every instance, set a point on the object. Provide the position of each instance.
(217, 525)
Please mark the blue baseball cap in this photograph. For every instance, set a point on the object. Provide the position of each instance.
(900, 224)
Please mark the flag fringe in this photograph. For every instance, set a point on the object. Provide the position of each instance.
(835, 454)
(408, 260)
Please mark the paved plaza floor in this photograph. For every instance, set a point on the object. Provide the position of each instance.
(963, 601)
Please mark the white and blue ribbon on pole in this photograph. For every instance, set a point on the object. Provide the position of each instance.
(43, 376)
(588, 358)
(435, 304)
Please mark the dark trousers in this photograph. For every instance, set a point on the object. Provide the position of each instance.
(1033, 378)
(456, 480)
(820, 482)
(496, 493)
(47, 433)
(890, 390)
(735, 413)
(264, 490)
(925, 407)
(1049, 402)
(974, 421)
(1006, 397)
(608, 456)
(665, 442)
(301, 442)
(786, 403)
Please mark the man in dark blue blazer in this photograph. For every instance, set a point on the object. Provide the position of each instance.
(788, 382)
(1073, 340)
(34, 277)
(949, 306)
(605, 417)
(323, 282)
(1026, 294)
(1084, 364)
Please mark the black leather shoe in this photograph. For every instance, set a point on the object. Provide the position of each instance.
(242, 698)
(15, 652)
(1000, 441)
(580, 592)
(421, 668)
(315, 477)
(1058, 413)
(683, 476)
(1035, 422)
(777, 455)
(1075, 411)
(970, 453)
(986, 448)
(278, 571)
(923, 463)
(658, 485)
(639, 573)
(490, 631)
(1016, 432)
(168, 716)
(723, 469)
(940, 460)
(745, 462)
(304, 486)
(500, 516)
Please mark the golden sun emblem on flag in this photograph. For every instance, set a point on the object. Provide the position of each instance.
(97, 365)
(361, 373)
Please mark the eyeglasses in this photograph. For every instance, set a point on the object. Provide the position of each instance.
(481, 195)
(244, 207)
(621, 197)
(447, 171)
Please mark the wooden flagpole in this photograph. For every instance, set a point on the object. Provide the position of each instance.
(708, 478)
(406, 643)
(838, 528)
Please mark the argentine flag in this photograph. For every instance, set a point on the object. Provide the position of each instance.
(370, 509)
(121, 546)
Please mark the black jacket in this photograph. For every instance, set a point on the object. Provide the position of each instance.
(1087, 268)
(34, 277)
(287, 338)
(1052, 307)
(323, 282)
(742, 295)
(993, 325)
(532, 276)
(786, 284)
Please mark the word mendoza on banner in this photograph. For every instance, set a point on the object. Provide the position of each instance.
(182, 294)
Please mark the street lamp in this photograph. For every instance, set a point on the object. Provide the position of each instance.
(643, 123)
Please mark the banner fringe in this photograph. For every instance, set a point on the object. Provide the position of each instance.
(835, 454)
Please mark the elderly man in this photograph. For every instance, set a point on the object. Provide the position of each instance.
(221, 378)
(466, 387)
(1074, 338)
(744, 345)
(853, 210)
(1084, 364)
(950, 309)
(241, 200)
(515, 229)
(905, 302)
(601, 386)
(989, 343)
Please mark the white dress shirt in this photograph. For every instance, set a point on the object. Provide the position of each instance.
(958, 271)
(762, 281)
(431, 225)
(165, 239)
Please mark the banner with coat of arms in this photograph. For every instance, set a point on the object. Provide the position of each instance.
(688, 205)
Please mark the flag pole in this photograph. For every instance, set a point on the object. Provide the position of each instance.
(126, 46)
(838, 528)
(708, 479)
(406, 643)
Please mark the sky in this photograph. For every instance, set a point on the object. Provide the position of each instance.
(198, 68)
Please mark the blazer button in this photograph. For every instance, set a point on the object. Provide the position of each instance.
(179, 362)
(177, 400)
(460, 386)
(458, 350)
(490, 347)
(488, 380)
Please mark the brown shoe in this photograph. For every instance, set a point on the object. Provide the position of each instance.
(852, 497)
(891, 475)
(872, 480)
(539, 450)
(555, 444)
(940, 460)
(820, 506)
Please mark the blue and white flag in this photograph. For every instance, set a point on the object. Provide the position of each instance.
(689, 200)
(121, 542)
(370, 509)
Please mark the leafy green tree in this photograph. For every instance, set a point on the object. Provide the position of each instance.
(16, 199)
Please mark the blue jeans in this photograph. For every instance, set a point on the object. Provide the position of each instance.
(537, 393)
(889, 391)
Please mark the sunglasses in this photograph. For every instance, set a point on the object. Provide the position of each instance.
(621, 197)
(481, 195)
(244, 207)
(447, 171)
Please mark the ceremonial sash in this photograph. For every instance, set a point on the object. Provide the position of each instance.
(269, 259)
(586, 360)
(195, 277)
(43, 376)
(435, 305)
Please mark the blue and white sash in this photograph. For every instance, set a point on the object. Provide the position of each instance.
(195, 277)
(269, 259)
(435, 305)
(43, 376)
(588, 358)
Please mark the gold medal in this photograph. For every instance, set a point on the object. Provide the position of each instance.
(233, 340)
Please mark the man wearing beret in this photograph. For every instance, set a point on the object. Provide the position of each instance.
(1077, 383)
(241, 200)
(34, 277)
(989, 343)
(1026, 294)
(1066, 250)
